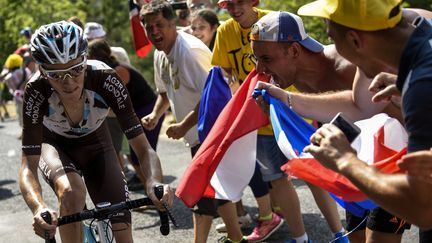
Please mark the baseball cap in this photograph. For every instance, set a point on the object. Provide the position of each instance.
(367, 15)
(223, 3)
(284, 27)
(27, 32)
(93, 30)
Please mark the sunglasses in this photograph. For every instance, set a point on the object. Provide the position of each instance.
(61, 74)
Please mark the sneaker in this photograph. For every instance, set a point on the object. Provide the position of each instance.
(225, 239)
(265, 228)
(340, 238)
(245, 221)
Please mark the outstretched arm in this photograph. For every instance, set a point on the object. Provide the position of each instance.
(404, 196)
(150, 121)
(178, 130)
(356, 104)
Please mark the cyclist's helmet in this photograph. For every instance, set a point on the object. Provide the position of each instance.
(58, 43)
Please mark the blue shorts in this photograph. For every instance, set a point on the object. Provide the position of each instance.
(270, 158)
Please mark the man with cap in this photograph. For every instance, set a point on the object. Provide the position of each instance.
(232, 52)
(379, 36)
(93, 30)
(284, 50)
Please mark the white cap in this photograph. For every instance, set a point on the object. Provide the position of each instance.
(93, 30)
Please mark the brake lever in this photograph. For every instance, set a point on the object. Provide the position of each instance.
(159, 194)
(47, 217)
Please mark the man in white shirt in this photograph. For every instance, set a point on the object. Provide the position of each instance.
(181, 66)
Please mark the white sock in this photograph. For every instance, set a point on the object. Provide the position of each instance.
(302, 239)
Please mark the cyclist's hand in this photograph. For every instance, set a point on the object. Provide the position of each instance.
(167, 198)
(149, 122)
(40, 226)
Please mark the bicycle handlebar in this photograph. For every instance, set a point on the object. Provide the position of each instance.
(104, 211)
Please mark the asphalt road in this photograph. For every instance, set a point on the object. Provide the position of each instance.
(16, 219)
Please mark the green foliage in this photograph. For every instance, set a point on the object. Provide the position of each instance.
(33, 13)
(112, 14)
(424, 4)
(314, 26)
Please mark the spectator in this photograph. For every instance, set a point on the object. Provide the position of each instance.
(93, 30)
(382, 37)
(181, 65)
(285, 51)
(76, 20)
(204, 24)
(16, 79)
(232, 53)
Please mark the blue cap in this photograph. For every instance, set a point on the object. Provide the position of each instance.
(284, 27)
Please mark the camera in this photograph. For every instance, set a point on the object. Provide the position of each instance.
(350, 130)
(178, 5)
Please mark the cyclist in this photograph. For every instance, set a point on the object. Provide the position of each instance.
(65, 136)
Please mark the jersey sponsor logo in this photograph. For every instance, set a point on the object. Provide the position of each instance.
(115, 86)
(32, 105)
(43, 166)
(132, 128)
(30, 146)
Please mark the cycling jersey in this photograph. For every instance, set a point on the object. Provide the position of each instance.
(102, 90)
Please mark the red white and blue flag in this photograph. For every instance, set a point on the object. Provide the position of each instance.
(225, 162)
(215, 95)
(141, 42)
(381, 143)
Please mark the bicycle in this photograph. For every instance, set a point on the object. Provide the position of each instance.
(102, 213)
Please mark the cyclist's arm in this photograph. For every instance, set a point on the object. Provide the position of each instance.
(32, 193)
(152, 170)
(29, 183)
(149, 160)
(35, 105)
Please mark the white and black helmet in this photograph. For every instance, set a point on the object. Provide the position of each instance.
(58, 43)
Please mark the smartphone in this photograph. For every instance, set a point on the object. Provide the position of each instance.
(350, 130)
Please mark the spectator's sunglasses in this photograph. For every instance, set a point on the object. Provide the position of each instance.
(61, 74)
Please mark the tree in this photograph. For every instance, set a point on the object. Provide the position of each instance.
(33, 13)
(315, 26)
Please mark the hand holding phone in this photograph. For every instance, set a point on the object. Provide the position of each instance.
(350, 130)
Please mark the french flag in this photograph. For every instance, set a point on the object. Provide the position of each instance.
(141, 42)
(215, 95)
(225, 162)
(381, 143)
